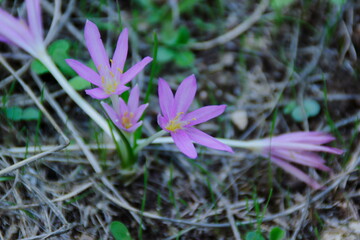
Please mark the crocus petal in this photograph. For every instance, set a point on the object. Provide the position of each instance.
(303, 158)
(115, 118)
(185, 94)
(166, 99)
(305, 147)
(120, 89)
(296, 172)
(9, 20)
(134, 127)
(184, 143)
(162, 121)
(133, 101)
(85, 72)
(134, 70)
(139, 111)
(206, 140)
(97, 93)
(305, 137)
(123, 107)
(96, 48)
(293, 154)
(5, 40)
(34, 18)
(120, 53)
(204, 114)
(16, 32)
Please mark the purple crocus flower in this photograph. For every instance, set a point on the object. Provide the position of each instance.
(27, 36)
(111, 78)
(126, 117)
(180, 124)
(298, 148)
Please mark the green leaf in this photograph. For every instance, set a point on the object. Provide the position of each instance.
(13, 113)
(119, 231)
(276, 233)
(175, 37)
(183, 36)
(254, 236)
(78, 83)
(298, 114)
(165, 55)
(168, 34)
(59, 45)
(186, 5)
(30, 113)
(312, 107)
(185, 59)
(58, 51)
(338, 2)
(38, 67)
(6, 178)
(289, 107)
(59, 57)
(279, 4)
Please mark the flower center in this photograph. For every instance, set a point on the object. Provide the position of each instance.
(109, 80)
(126, 120)
(176, 123)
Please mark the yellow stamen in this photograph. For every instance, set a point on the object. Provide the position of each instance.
(126, 120)
(110, 87)
(175, 124)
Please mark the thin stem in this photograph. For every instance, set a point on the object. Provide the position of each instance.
(84, 105)
(115, 103)
(232, 143)
(149, 140)
(252, 144)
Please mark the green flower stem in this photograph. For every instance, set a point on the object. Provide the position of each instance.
(145, 142)
(127, 154)
(84, 105)
(115, 103)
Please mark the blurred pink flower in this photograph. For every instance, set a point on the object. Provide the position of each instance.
(179, 124)
(111, 79)
(27, 36)
(126, 117)
(298, 147)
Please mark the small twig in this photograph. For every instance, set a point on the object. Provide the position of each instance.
(232, 34)
(54, 23)
(19, 72)
(231, 219)
(64, 20)
(75, 192)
